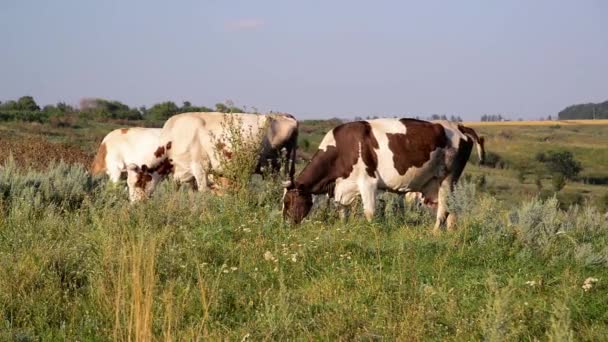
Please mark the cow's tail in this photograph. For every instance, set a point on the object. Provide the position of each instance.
(99, 162)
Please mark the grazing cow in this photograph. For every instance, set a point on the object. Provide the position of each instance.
(122, 147)
(396, 155)
(194, 144)
(479, 141)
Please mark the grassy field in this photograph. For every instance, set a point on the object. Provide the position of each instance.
(78, 263)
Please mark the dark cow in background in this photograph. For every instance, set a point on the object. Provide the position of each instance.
(395, 155)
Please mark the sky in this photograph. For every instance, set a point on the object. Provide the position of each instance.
(313, 59)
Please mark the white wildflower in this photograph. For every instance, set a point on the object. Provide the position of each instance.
(588, 284)
(294, 257)
(268, 256)
(531, 283)
(233, 268)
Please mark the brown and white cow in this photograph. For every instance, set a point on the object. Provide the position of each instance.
(122, 147)
(396, 155)
(479, 141)
(194, 144)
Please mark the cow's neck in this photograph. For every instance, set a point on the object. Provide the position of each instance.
(319, 176)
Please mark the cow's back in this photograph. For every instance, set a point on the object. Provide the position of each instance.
(124, 146)
(202, 137)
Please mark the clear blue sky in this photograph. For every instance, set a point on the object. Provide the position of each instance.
(314, 59)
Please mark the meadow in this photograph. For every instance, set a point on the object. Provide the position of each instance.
(77, 262)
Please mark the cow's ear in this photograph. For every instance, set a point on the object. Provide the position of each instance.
(132, 167)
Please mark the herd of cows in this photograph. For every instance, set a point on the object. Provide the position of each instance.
(419, 159)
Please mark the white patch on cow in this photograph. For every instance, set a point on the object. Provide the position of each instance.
(328, 140)
(358, 182)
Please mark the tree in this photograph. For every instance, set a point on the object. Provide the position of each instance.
(162, 111)
(563, 163)
(108, 109)
(27, 103)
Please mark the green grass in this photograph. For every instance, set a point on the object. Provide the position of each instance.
(85, 265)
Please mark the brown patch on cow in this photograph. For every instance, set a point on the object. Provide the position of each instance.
(220, 146)
(160, 151)
(169, 144)
(338, 161)
(99, 162)
(164, 168)
(124, 130)
(143, 177)
(414, 148)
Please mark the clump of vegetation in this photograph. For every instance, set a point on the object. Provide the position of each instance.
(494, 160)
(238, 150)
(560, 162)
(558, 181)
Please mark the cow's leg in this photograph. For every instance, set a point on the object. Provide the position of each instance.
(114, 174)
(442, 205)
(368, 189)
(200, 175)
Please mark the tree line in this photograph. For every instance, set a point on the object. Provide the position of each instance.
(586, 111)
(26, 109)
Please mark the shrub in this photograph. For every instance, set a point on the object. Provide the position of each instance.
(239, 152)
(493, 160)
(562, 162)
(537, 222)
(462, 199)
(480, 182)
(558, 181)
(61, 185)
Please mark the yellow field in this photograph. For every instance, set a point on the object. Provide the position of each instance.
(537, 123)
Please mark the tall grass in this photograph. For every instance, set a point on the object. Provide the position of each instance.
(77, 262)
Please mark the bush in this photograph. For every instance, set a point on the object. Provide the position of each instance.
(61, 185)
(558, 181)
(562, 162)
(462, 200)
(537, 222)
(493, 160)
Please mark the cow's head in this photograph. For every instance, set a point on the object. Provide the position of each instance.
(142, 180)
(297, 202)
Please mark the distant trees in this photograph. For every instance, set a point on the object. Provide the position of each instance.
(162, 111)
(108, 109)
(25, 104)
(26, 109)
(492, 118)
(585, 111)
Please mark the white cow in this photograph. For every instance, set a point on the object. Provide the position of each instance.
(194, 144)
(122, 147)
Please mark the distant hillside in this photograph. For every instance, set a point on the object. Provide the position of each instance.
(585, 111)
